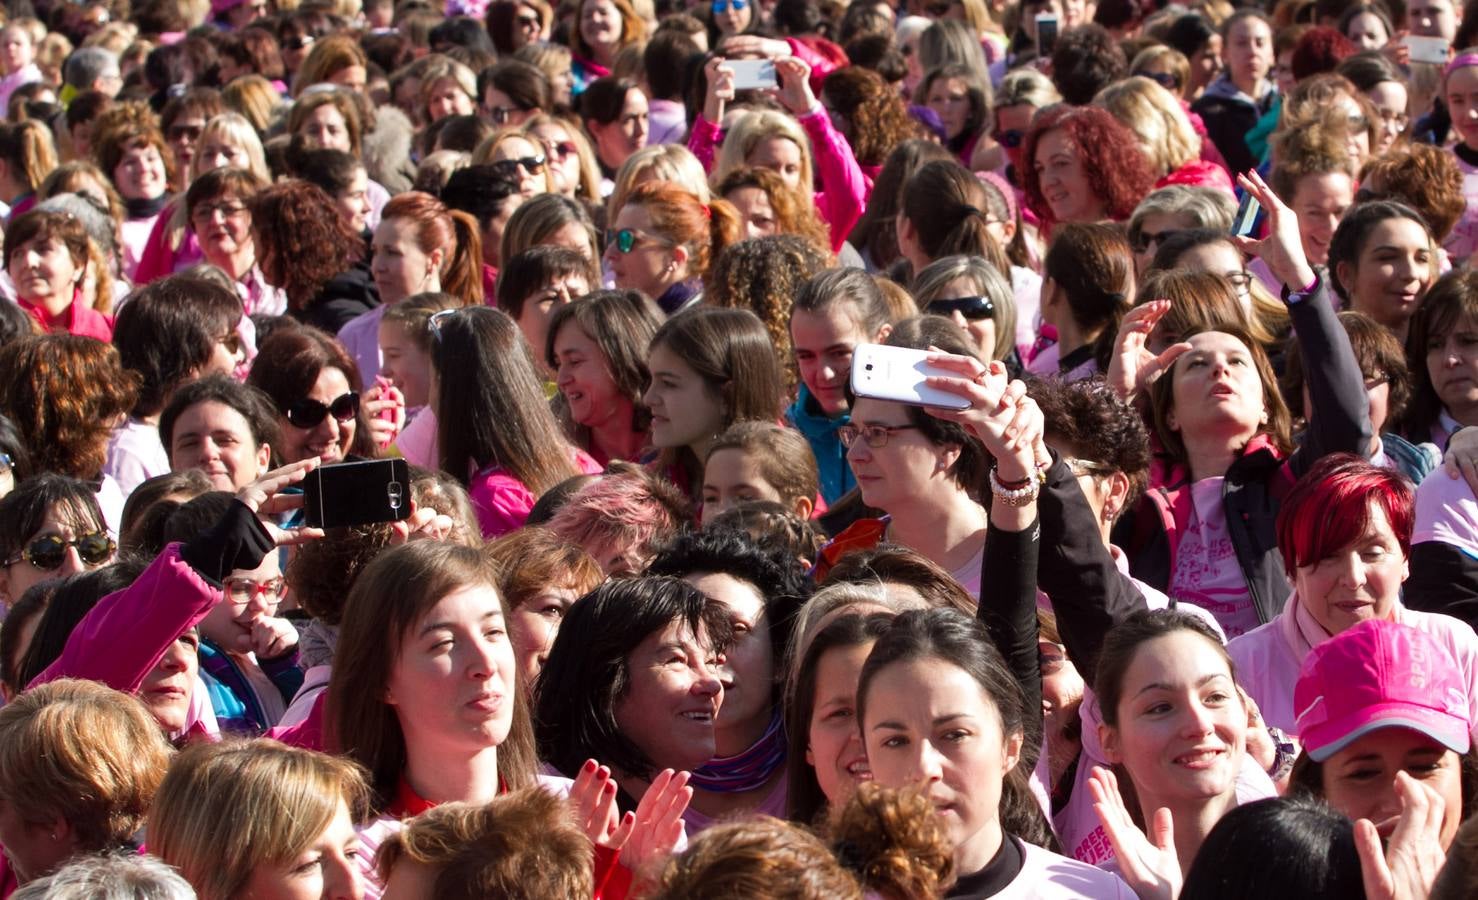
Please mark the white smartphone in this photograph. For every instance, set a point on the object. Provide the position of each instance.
(753, 74)
(897, 373)
(1246, 217)
(1046, 34)
(1427, 49)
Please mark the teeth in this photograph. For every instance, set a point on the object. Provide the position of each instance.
(698, 717)
(859, 768)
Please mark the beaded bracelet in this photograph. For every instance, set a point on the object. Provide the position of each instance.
(1014, 497)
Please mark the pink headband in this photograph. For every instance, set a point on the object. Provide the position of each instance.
(995, 180)
(1462, 60)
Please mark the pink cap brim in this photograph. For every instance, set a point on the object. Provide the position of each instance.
(1327, 739)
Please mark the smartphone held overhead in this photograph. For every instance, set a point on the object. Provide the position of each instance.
(753, 74)
(357, 493)
(898, 374)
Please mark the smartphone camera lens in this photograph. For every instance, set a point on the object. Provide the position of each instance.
(395, 493)
(868, 367)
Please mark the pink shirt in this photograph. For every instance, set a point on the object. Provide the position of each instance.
(502, 503)
(1447, 512)
(1207, 573)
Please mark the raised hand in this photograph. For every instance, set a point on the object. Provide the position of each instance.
(754, 45)
(1000, 415)
(262, 498)
(382, 398)
(1149, 864)
(1283, 248)
(720, 80)
(1132, 367)
(423, 524)
(593, 799)
(652, 832)
(794, 91)
(1409, 864)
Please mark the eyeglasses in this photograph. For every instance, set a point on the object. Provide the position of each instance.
(972, 308)
(508, 168)
(722, 6)
(1010, 139)
(626, 239)
(297, 43)
(1240, 282)
(1081, 467)
(49, 552)
(875, 435)
(1375, 380)
(186, 132)
(1359, 122)
(1166, 80)
(243, 591)
(1143, 241)
(308, 413)
(499, 115)
(206, 212)
(563, 149)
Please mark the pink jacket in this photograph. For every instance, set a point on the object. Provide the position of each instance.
(158, 258)
(844, 187)
(502, 503)
(1268, 659)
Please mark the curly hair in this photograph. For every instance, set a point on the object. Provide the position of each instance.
(1308, 149)
(1086, 418)
(64, 393)
(877, 118)
(322, 573)
(302, 241)
(1320, 49)
(753, 858)
(764, 275)
(1424, 177)
(795, 213)
(1117, 171)
(123, 128)
(892, 840)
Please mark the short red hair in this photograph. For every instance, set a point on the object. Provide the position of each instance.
(1329, 508)
(1117, 170)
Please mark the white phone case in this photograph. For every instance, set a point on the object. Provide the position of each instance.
(1427, 49)
(897, 373)
(753, 74)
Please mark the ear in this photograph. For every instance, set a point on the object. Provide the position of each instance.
(1345, 273)
(810, 757)
(1108, 738)
(264, 457)
(883, 332)
(1170, 421)
(1013, 751)
(804, 506)
(1009, 227)
(5, 587)
(948, 454)
(680, 255)
(1118, 492)
(434, 260)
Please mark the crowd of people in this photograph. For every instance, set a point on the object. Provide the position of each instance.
(1175, 599)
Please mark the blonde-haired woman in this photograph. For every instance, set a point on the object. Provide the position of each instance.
(974, 295)
(228, 140)
(657, 162)
(254, 97)
(1164, 132)
(572, 162)
(520, 157)
(792, 145)
(337, 60)
(261, 819)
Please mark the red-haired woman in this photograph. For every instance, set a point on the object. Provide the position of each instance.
(1344, 532)
(663, 241)
(1084, 167)
(305, 247)
(420, 246)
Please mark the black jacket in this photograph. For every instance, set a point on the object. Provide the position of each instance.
(343, 298)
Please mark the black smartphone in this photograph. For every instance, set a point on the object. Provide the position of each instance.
(1246, 218)
(357, 493)
(1046, 34)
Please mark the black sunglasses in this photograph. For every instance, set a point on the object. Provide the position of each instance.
(49, 552)
(508, 168)
(972, 308)
(308, 413)
(1010, 139)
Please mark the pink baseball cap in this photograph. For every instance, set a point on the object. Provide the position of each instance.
(1377, 675)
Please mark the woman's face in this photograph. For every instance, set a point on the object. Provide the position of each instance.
(1217, 388)
(672, 698)
(733, 476)
(217, 153)
(446, 98)
(572, 236)
(748, 669)
(1063, 179)
(1461, 93)
(353, 201)
(44, 272)
(405, 364)
(616, 141)
(454, 682)
(1221, 258)
(166, 690)
(1389, 99)
(350, 78)
(400, 267)
(65, 523)
(1249, 51)
(584, 377)
(1206, 63)
(533, 626)
(1452, 364)
(1359, 582)
(562, 155)
(982, 332)
(903, 470)
(685, 410)
(1319, 202)
(1182, 727)
(600, 26)
(1153, 229)
(223, 228)
(230, 622)
(538, 309)
(183, 138)
(755, 212)
(327, 869)
(1393, 272)
(528, 27)
(823, 343)
(950, 100)
(217, 440)
(531, 177)
(931, 725)
(1360, 780)
(325, 129)
(732, 16)
(1367, 32)
(330, 439)
(650, 267)
(140, 175)
(781, 156)
(1062, 688)
(1357, 137)
(834, 741)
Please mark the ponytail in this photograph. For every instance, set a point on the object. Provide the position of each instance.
(971, 237)
(724, 228)
(461, 271)
(28, 151)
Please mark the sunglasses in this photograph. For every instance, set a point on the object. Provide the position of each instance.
(308, 413)
(186, 132)
(1010, 139)
(972, 308)
(508, 168)
(49, 552)
(721, 6)
(1165, 80)
(564, 149)
(626, 239)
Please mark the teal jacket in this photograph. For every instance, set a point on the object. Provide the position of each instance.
(820, 431)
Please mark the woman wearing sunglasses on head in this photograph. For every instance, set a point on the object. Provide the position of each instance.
(968, 291)
(311, 379)
(663, 241)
